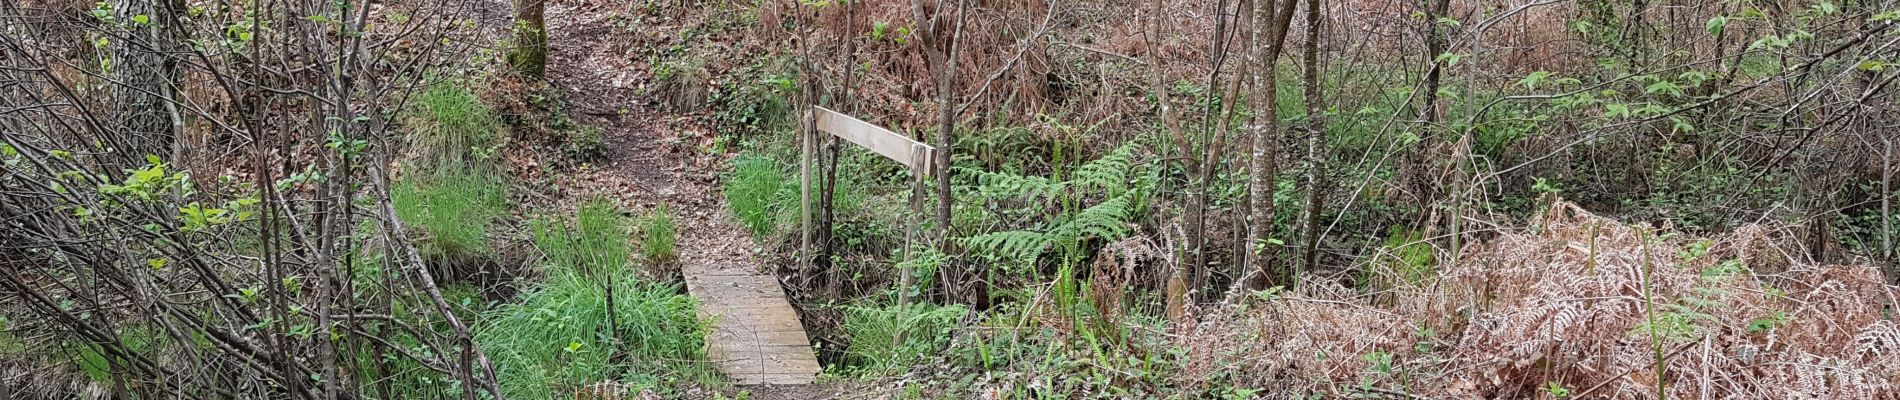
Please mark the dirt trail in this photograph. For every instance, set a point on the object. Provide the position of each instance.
(757, 337)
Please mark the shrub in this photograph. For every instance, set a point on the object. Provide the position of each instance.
(758, 190)
(584, 143)
(658, 240)
(452, 209)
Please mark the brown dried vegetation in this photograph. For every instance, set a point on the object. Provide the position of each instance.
(1568, 304)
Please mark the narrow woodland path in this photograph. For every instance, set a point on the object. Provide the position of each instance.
(756, 337)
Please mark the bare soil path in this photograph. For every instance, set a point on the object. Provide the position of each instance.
(756, 337)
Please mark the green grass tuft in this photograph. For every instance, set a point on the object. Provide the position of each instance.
(873, 332)
(452, 126)
(595, 244)
(557, 339)
(658, 239)
(758, 191)
(453, 208)
(560, 336)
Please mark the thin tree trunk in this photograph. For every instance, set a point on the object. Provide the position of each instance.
(807, 137)
(1886, 201)
(940, 51)
(1315, 141)
(530, 55)
(1435, 44)
(1185, 273)
(1269, 35)
(826, 245)
(146, 78)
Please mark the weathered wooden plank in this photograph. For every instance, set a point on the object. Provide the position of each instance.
(756, 336)
(773, 379)
(766, 336)
(903, 150)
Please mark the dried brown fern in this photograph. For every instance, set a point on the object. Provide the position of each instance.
(1565, 306)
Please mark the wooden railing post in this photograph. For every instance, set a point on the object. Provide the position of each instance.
(805, 128)
(915, 155)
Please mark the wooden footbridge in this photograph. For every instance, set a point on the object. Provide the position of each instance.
(756, 335)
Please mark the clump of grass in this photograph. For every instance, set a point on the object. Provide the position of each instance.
(1410, 257)
(590, 322)
(758, 190)
(561, 336)
(451, 126)
(658, 238)
(453, 208)
(683, 84)
(596, 243)
(874, 332)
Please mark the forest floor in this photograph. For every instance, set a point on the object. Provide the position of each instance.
(647, 162)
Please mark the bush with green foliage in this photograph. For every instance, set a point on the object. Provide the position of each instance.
(1119, 186)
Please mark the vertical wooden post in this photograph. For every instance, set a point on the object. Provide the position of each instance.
(805, 128)
(918, 158)
(905, 277)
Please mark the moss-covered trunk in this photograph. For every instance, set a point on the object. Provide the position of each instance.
(530, 53)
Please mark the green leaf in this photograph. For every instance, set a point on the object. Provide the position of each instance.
(1872, 65)
(1531, 81)
(1717, 24)
(1826, 8)
(1448, 58)
(1616, 110)
(1664, 87)
(1682, 125)
(141, 19)
(157, 263)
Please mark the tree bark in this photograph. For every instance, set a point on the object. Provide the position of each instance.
(1269, 33)
(1315, 141)
(530, 53)
(1435, 44)
(1886, 200)
(940, 51)
(147, 79)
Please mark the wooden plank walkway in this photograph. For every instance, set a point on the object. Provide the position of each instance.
(756, 336)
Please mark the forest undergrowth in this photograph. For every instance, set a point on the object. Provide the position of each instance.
(1233, 199)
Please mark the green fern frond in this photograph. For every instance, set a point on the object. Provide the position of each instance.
(994, 185)
(1015, 246)
(1110, 172)
(1107, 220)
